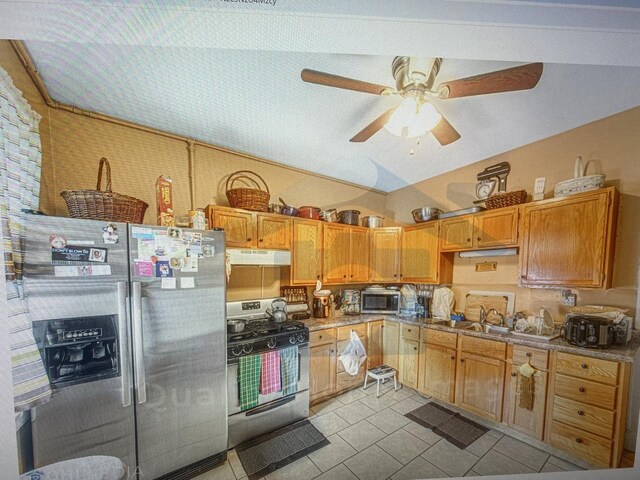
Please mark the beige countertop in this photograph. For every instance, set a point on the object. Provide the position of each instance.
(618, 353)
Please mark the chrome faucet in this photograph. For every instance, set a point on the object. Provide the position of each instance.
(483, 314)
(493, 310)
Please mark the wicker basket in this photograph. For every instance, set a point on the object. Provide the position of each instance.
(104, 205)
(506, 199)
(252, 198)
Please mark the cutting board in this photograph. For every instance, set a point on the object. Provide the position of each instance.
(474, 302)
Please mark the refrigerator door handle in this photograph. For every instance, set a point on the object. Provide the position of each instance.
(141, 386)
(123, 345)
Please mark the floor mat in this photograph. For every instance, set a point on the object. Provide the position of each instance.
(265, 454)
(451, 426)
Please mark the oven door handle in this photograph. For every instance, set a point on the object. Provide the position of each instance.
(270, 406)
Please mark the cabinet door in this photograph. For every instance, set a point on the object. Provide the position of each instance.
(479, 385)
(420, 254)
(568, 242)
(385, 248)
(375, 341)
(322, 373)
(391, 344)
(306, 252)
(526, 421)
(359, 253)
(456, 234)
(335, 265)
(437, 371)
(409, 362)
(497, 228)
(239, 227)
(274, 232)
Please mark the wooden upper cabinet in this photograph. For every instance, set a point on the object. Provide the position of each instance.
(385, 254)
(274, 232)
(570, 242)
(420, 255)
(336, 253)
(239, 227)
(359, 254)
(456, 233)
(496, 228)
(306, 252)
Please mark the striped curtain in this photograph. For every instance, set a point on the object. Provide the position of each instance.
(20, 160)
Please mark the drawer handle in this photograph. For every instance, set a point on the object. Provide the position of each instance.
(514, 374)
(528, 354)
(462, 360)
(453, 357)
(249, 239)
(408, 329)
(582, 389)
(580, 412)
(479, 239)
(320, 337)
(261, 240)
(584, 365)
(579, 440)
(468, 239)
(415, 348)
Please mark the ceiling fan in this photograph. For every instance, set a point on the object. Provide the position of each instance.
(415, 79)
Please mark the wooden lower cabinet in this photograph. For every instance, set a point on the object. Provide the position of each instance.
(437, 371)
(409, 357)
(322, 364)
(345, 380)
(375, 343)
(391, 343)
(526, 421)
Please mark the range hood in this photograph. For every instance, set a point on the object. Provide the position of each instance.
(272, 258)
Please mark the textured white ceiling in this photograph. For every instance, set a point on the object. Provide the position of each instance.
(255, 102)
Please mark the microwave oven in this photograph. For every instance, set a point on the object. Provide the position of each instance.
(380, 301)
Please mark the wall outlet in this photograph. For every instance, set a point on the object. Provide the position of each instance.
(569, 299)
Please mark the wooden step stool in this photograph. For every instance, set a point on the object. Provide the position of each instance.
(381, 373)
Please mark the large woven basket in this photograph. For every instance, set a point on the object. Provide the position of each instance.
(104, 205)
(509, 199)
(249, 198)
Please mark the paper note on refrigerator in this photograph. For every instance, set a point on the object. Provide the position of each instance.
(187, 282)
(168, 283)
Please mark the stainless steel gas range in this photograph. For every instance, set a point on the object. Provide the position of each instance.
(262, 334)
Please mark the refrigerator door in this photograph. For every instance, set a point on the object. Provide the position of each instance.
(94, 417)
(179, 335)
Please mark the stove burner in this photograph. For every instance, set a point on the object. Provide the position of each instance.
(264, 334)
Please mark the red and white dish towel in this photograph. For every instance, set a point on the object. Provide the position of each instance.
(270, 380)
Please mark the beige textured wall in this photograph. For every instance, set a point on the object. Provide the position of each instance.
(613, 143)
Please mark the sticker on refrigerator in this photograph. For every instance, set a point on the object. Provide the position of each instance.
(77, 254)
(168, 282)
(110, 234)
(164, 246)
(196, 251)
(81, 271)
(142, 233)
(143, 269)
(163, 269)
(176, 263)
(174, 232)
(187, 282)
(208, 250)
(57, 241)
(146, 249)
(193, 238)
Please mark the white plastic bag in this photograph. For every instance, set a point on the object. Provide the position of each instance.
(353, 355)
(443, 300)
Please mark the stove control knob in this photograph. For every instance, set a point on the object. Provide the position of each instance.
(292, 339)
(248, 348)
(271, 343)
(592, 339)
(301, 337)
(236, 351)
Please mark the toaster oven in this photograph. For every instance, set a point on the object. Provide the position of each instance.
(594, 332)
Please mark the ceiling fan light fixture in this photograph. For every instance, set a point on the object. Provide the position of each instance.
(412, 119)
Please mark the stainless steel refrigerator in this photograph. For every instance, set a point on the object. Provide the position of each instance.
(130, 322)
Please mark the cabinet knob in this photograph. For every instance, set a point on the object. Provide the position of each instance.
(584, 365)
(351, 276)
(579, 440)
(523, 277)
(249, 239)
(580, 412)
(415, 348)
(528, 354)
(479, 239)
(468, 239)
(582, 389)
(344, 276)
(261, 240)
(320, 337)
(462, 360)
(514, 374)
(318, 277)
(408, 329)
(453, 357)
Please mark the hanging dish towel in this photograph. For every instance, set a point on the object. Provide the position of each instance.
(270, 373)
(289, 369)
(249, 381)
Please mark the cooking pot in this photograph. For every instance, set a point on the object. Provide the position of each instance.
(309, 212)
(425, 214)
(275, 208)
(235, 326)
(277, 311)
(288, 209)
(349, 217)
(372, 221)
(330, 215)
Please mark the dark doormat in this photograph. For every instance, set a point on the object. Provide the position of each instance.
(274, 450)
(451, 426)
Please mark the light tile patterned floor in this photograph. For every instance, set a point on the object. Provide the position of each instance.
(372, 439)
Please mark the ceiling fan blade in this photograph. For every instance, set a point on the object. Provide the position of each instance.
(517, 78)
(367, 132)
(444, 132)
(329, 80)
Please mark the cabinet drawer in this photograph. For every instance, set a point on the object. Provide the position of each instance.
(410, 332)
(603, 371)
(537, 358)
(585, 445)
(585, 391)
(586, 417)
(344, 333)
(484, 347)
(436, 337)
(320, 337)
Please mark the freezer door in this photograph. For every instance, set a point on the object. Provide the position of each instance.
(179, 339)
(96, 417)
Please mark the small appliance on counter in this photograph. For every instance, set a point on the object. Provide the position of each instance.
(596, 331)
(423, 306)
(321, 303)
(380, 300)
(350, 304)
